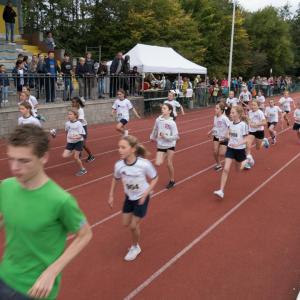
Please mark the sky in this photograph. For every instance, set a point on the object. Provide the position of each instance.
(253, 5)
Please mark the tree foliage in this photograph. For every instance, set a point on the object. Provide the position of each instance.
(198, 29)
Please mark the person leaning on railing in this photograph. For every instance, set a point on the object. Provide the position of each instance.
(20, 75)
(101, 74)
(66, 70)
(80, 72)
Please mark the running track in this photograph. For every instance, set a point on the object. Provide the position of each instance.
(195, 246)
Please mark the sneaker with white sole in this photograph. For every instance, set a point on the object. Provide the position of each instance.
(219, 193)
(133, 252)
(247, 166)
(266, 143)
(218, 168)
(53, 132)
(81, 172)
(250, 160)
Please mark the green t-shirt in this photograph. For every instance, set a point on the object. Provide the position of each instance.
(36, 226)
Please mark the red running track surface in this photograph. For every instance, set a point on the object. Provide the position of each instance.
(195, 246)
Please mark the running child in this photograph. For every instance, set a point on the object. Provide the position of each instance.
(26, 115)
(75, 133)
(232, 101)
(245, 97)
(296, 126)
(236, 150)
(260, 98)
(121, 108)
(175, 104)
(257, 122)
(165, 133)
(285, 103)
(79, 105)
(220, 134)
(135, 172)
(272, 114)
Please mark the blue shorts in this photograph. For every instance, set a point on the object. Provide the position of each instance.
(237, 154)
(75, 146)
(296, 126)
(8, 293)
(123, 122)
(133, 206)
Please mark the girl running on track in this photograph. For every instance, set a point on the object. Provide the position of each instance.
(165, 133)
(220, 134)
(245, 98)
(285, 103)
(121, 108)
(296, 126)
(232, 100)
(75, 134)
(272, 114)
(79, 105)
(257, 121)
(134, 170)
(236, 150)
(260, 98)
(26, 115)
(175, 104)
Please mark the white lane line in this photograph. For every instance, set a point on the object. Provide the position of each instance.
(175, 258)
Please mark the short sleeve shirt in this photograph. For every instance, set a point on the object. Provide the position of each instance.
(134, 176)
(256, 117)
(286, 103)
(30, 120)
(175, 104)
(221, 125)
(237, 132)
(74, 129)
(37, 223)
(297, 115)
(122, 108)
(271, 114)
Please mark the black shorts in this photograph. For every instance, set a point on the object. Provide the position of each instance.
(165, 150)
(86, 132)
(237, 154)
(133, 206)
(260, 135)
(287, 111)
(75, 146)
(223, 142)
(174, 118)
(272, 123)
(296, 126)
(123, 122)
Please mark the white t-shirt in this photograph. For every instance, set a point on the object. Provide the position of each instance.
(272, 114)
(122, 108)
(74, 129)
(30, 120)
(237, 132)
(221, 125)
(261, 101)
(167, 128)
(175, 104)
(232, 101)
(297, 116)
(81, 116)
(245, 96)
(33, 102)
(256, 117)
(134, 176)
(286, 103)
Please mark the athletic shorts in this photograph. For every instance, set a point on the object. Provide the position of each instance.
(272, 123)
(287, 111)
(296, 126)
(123, 122)
(165, 150)
(260, 134)
(75, 146)
(237, 154)
(174, 118)
(86, 132)
(133, 206)
(223, 142)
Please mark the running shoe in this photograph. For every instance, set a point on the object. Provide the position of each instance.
(170, 185)
(274, 140)
(247, 166)
(90, 158)
(266, 143)
(219, 193)
(133, 252)
(251, 161)
(53, 132)
(81, 172)
(218, 168)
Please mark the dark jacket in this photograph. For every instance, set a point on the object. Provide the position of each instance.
(114, 65)
(9, 15)
(4, 81)
(81, 70)
(41, 67)
(47, 66)
(89, 64)
(17, 78)
(66, 68)
(102, 71)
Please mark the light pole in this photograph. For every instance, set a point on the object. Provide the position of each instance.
(231, 46)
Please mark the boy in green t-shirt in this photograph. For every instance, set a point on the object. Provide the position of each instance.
(37, 216)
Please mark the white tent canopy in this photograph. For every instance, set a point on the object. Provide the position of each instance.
(155, 59)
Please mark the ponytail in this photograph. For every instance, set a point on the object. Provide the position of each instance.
(140, 150)
(241, 114)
